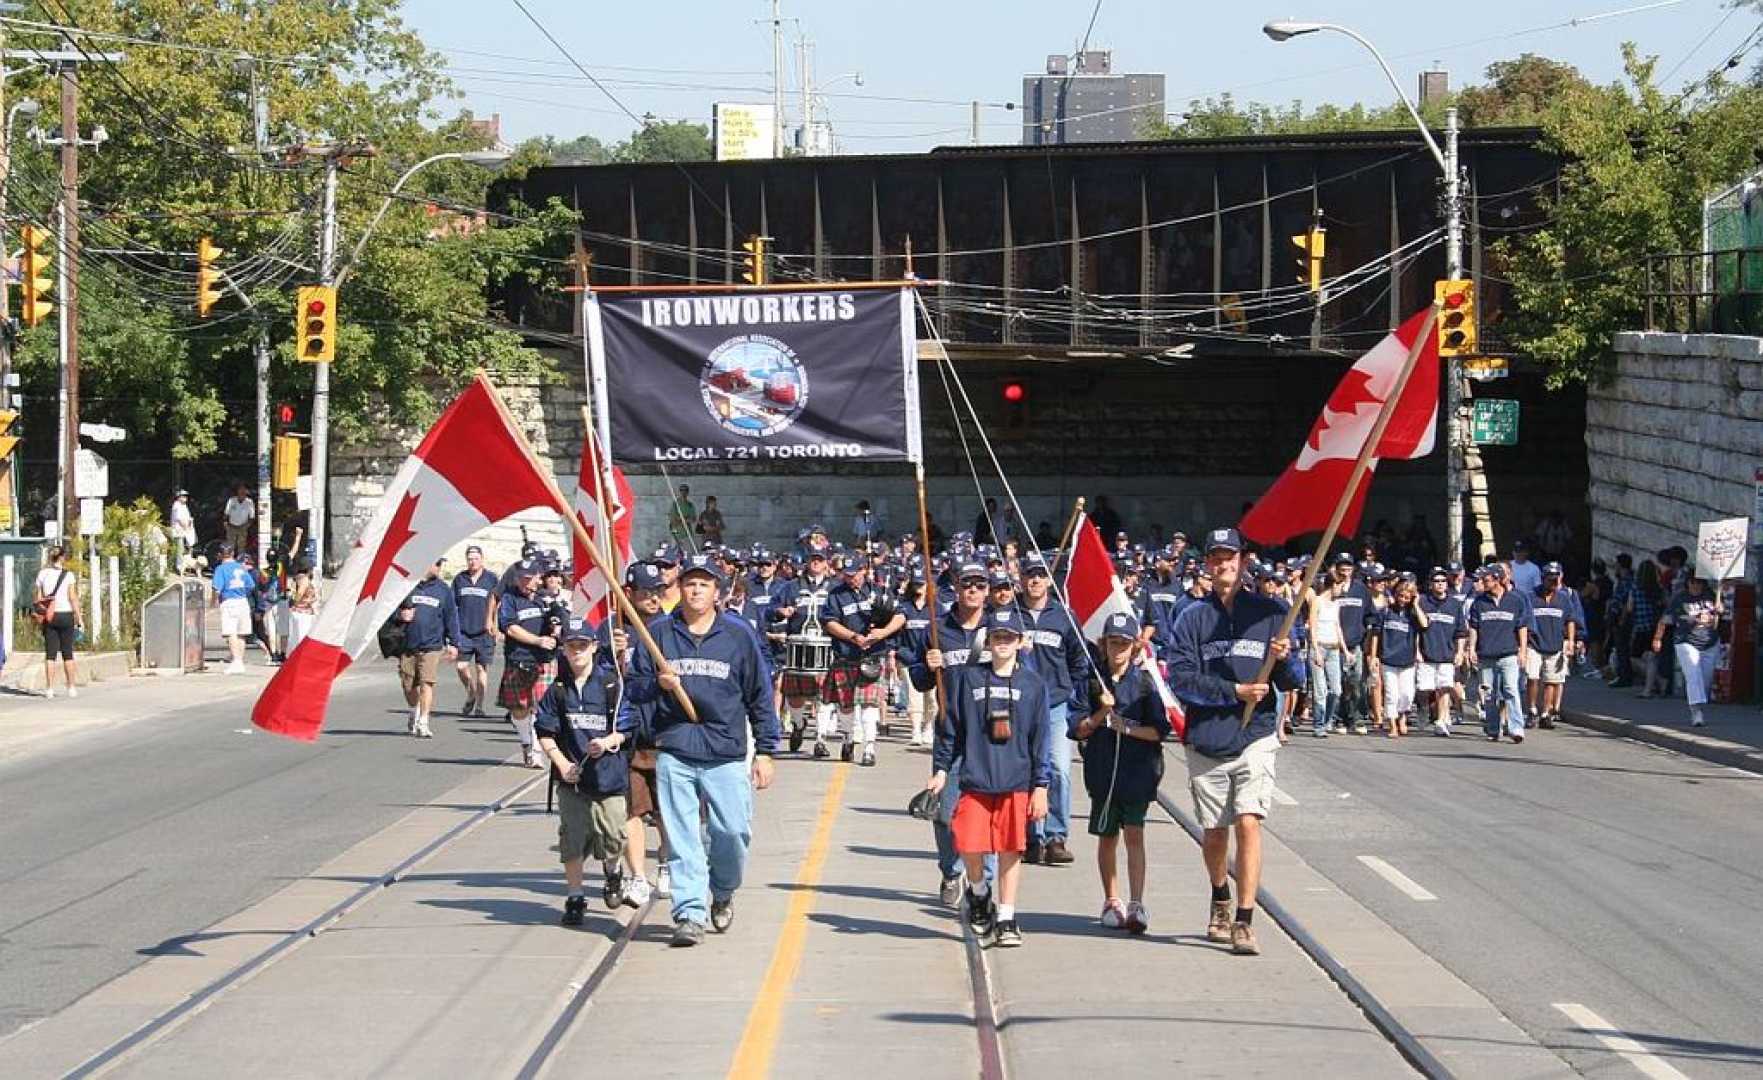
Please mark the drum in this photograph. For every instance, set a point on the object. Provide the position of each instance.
(808, 654)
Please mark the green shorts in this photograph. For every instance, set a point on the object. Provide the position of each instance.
(589, 826)
(1107, 821)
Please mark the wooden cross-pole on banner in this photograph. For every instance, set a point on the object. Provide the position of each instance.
(1077, 513)
(561, 504)
(1361, 466)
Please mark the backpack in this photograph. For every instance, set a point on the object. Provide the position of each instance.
(391, 637)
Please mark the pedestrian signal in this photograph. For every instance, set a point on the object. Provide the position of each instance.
(34, 273)
(315, 323)
(1457, 322)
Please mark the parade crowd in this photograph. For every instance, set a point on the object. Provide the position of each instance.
(670, 714)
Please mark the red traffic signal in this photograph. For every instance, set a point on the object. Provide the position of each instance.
(285, 413)
(1014, 392)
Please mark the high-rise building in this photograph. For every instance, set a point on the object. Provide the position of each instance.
(1081, 100)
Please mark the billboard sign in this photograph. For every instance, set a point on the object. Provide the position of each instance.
(744, 132)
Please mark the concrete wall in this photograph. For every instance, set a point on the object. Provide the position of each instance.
(1674, 438)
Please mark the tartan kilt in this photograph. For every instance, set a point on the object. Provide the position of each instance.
(802, 684)
(520, 688)
(846, 688)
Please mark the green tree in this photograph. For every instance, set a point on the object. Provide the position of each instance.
(1518, 92)
(1639, 162)
(667, 140)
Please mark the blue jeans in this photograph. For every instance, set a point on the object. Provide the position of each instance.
(1499, 683)
(948, 861)
(1325, 687)
(1057, 824)
(725, 793)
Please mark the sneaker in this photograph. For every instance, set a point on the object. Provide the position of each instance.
(868, 757)
(574, 909)
(847, 751)
(1242, 940)
(980, 911)
(1113, 914)
(237, 667)
(73, 691)
(686, 934)
(1006, 935)
(1530, 721)
(1495, 737)
(49, 693)
(1218, 928)
(664, 884)
(612, 890)
(1546, 721)
(1696, 721)
(796, 734)
(1442, 730)
(423, 731)
(1056, 854)
(410, 723)
(534, 758)
(722, 915)
(820, 750)
(949, 892)
(1138, 920)
(636, 892)
(1519, 739)
(1361, 728)
(1319, 732)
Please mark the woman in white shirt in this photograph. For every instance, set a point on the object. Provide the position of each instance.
(1326, 649)
(57, 596)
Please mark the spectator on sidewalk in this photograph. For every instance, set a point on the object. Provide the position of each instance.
(710, 523)
(1644, 606)
(1693, 617)
(239, 513)
(682, 521)
(265, 595)
(1620, 630)
(183, 527)
(232, 592)
(302, 605)
(57, 604)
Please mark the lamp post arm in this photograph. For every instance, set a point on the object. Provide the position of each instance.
(1431, 144)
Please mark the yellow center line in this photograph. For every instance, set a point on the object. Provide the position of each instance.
(759, 1040)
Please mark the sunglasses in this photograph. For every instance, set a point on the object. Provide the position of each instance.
(974, 583)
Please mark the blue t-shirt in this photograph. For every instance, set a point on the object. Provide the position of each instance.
(1497, 622)
(528, 613)
(1396, 631)
(472, 597)
(232, 581)
(1444, 625)
(1549, 616)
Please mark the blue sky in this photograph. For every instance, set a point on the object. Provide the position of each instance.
(676, 57)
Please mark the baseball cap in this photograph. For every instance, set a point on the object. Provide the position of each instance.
(1004, 620)
(1034, 563)
(1121, 624)
(969, 571)
(1341, 558)
(1226, 538)
(1121, 534)
(527, 568)
(853, 564)
(578, 630)
(998, 579)
(816, 553)
(665, 555)
(1454, 567)
(1551, 569)
(473, 549)
(703, 564)
(643, 576)
(1439, 572)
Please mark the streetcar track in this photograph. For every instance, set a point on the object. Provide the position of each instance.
(985, 1008)
(580, 1000)
(170, 1019)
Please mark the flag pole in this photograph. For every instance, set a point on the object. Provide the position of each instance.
(561, 504)
(1070, 533)
(930, 580)
(610, 551)
(1361, 466)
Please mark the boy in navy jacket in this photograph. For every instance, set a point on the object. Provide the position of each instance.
(1123, 764)
(575, 728)
(999, 731)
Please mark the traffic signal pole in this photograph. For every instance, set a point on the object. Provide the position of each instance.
(321, 379)
(1455, 427)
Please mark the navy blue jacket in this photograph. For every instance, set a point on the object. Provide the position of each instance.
(1496, 623)
(727, 680)
(528, 613)
(1214, 650)
(1397, 633)
(1549, 617)
(473, 601)
(1024, 762)
(1355, 607)
(574, 717)
(914, 637)
(1162, 601)
(1140, 767)
(766, 596)
(1444, 626)
(851, 609)
(800, 592)
(1059, 655)
(436, 622)
(960, 647)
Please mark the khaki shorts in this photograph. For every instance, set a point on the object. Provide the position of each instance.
(1226, 790)
(589, 826)
(1549, 668)
(419, 668)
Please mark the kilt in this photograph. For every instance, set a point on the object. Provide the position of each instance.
(801, 684)
(520, 688)
(846, 687)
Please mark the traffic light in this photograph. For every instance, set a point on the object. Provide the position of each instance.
(34, 274)
(1457, 331)
(755, 272)
(284, 415)
(315, 323)
(207, 277)
(1311, 245)
(8, 440)
(285, 463)
(1015, 395)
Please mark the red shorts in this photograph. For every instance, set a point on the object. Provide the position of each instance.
(986, 823)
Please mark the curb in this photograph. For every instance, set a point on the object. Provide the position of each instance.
(29, 672)
(1705, 747)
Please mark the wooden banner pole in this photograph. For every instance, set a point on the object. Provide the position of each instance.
(610, 550)
(1077, 512)
(1361, 466)
(930, 580)
(581, 533)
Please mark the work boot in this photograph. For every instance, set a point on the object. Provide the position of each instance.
(820, 750)
(1034, 853)
(1242, 940)
(1218, 929)
(796, 735)
(847, 750)
(686, 934)
(574, 909)
(722, 915)
(1056, 854)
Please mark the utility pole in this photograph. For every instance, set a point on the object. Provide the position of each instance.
(974, 139)
(807, 128)
(777, 79)
(6, 479)
(321, 379)
(1456, 431)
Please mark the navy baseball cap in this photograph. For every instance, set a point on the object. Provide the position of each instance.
(1004, 620)
(643, 576)
(1121, 535)
(853, 564)
(1439, 573)
(971, 571)
(1225, 539)
(1551, 569)
(578, 630)
(473, 549)
(528, 568)
(703, 564)
(816, 553)
(1034, 563)
(665, 555)
(1121, 624)
(1341, 558)
(998, 579)
(1454, 567)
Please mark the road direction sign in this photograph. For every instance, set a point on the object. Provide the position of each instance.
(1495, 422)
(91, 475)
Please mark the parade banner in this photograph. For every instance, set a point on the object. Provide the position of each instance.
(780, 377)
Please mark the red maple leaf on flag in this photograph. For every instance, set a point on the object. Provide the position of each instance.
(398, 533)
(1349, 394)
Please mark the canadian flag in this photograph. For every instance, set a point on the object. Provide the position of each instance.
(472, 469)
(591, 596)
(1093, 593)
(1304, 497)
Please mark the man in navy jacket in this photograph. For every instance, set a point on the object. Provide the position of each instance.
(1216, 656)
(702, 766)
(431, 626)
(1060, 658)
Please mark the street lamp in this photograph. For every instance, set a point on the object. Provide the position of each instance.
(1285, 30)
(487, 158)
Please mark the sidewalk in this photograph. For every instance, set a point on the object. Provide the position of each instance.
(840, 960)
(1733, 735)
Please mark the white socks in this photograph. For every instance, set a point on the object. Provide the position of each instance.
(523, 727)
(1006, 912)
(826, 722)
(868, 722)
